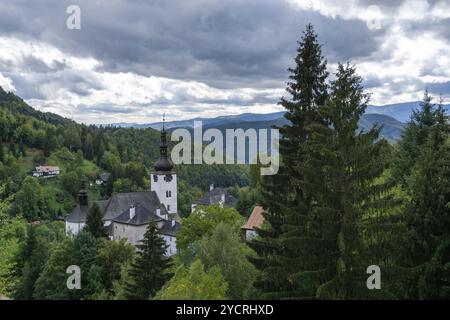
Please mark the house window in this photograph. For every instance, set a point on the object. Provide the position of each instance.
(168, 194)
(168, 207)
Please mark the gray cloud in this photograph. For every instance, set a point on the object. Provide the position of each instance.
(222, 43)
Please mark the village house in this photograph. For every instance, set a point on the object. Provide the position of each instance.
(254, 222)
(46, 171)
(216, 196)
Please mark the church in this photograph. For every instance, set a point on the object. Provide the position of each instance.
(127, 215)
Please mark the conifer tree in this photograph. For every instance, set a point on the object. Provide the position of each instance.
(148, 271)
(2, 153)
(425, 251)
(414, 137)
(326, 240)
(94, 222)
(308, 90)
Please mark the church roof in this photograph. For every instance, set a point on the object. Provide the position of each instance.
(119, 203)
(143, 215)
(79, 213)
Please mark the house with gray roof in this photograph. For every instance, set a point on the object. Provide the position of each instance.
(216, 196)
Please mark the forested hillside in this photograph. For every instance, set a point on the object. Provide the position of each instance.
(29, 138)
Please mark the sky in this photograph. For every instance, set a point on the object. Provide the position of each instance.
(131, 61)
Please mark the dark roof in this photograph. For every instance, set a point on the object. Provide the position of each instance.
(104, 176)
(117, 204)
(143, 215)
(214, 196)
(79, 213)
(168, 229)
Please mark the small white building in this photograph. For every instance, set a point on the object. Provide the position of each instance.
(46, 171)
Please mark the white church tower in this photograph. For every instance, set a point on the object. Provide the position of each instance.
(164, 179)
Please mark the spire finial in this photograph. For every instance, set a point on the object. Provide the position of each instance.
(164, 120)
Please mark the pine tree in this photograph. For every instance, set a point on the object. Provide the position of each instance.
(148, 271)
(425, 251)
(327, 244)
(2, 153)
(94, 222)
(308, 90)
(414, 137)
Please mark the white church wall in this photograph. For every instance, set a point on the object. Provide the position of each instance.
(74, 227)
(161, 187)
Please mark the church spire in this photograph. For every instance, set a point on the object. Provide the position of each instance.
(163, 163)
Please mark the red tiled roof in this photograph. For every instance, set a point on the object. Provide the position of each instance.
(255, 220)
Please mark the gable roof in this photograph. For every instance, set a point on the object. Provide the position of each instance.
(79, 213)
(255, 220)
(214, 196)
(143, 215)
(170, 228)
(118, 204)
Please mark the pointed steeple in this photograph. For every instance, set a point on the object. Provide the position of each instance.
(163, 163)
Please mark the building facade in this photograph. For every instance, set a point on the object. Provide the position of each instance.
(127, 215)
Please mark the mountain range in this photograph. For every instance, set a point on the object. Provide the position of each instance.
(391, 116)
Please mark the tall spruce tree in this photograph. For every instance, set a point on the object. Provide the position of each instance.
(148, 271)
(94, 222)
(2, 152)
(414, 137)
(329, 239)
(308, 90)
(425, 251)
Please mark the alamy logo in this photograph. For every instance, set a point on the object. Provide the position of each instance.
(249, 146)
(74, 280)
(374, 280)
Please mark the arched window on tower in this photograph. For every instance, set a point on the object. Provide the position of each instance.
(168, 194)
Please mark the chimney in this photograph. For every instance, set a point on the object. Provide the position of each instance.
(173, 223)
(132, 211)
(158, 212)
(211, 187)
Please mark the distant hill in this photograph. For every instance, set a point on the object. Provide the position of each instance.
(400, 111)
(391, 130)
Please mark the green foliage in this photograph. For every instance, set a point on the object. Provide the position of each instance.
(424, 253)
(12, 235)
(30, 201)
(147, 272)
(94, 222)
(202, 222)
(195, 284)
(225, 249)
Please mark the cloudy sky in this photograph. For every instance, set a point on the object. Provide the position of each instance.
(133, 60)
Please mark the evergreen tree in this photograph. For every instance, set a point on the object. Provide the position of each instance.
(148, 270)
(425, 252)
(414, 137)
(94, 222)
(2, 153)
(308, 90)
(329, 241)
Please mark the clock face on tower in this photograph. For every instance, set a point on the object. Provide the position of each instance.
(155, 178)
(168, 177)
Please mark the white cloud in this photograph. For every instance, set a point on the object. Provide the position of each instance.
(7, 84)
